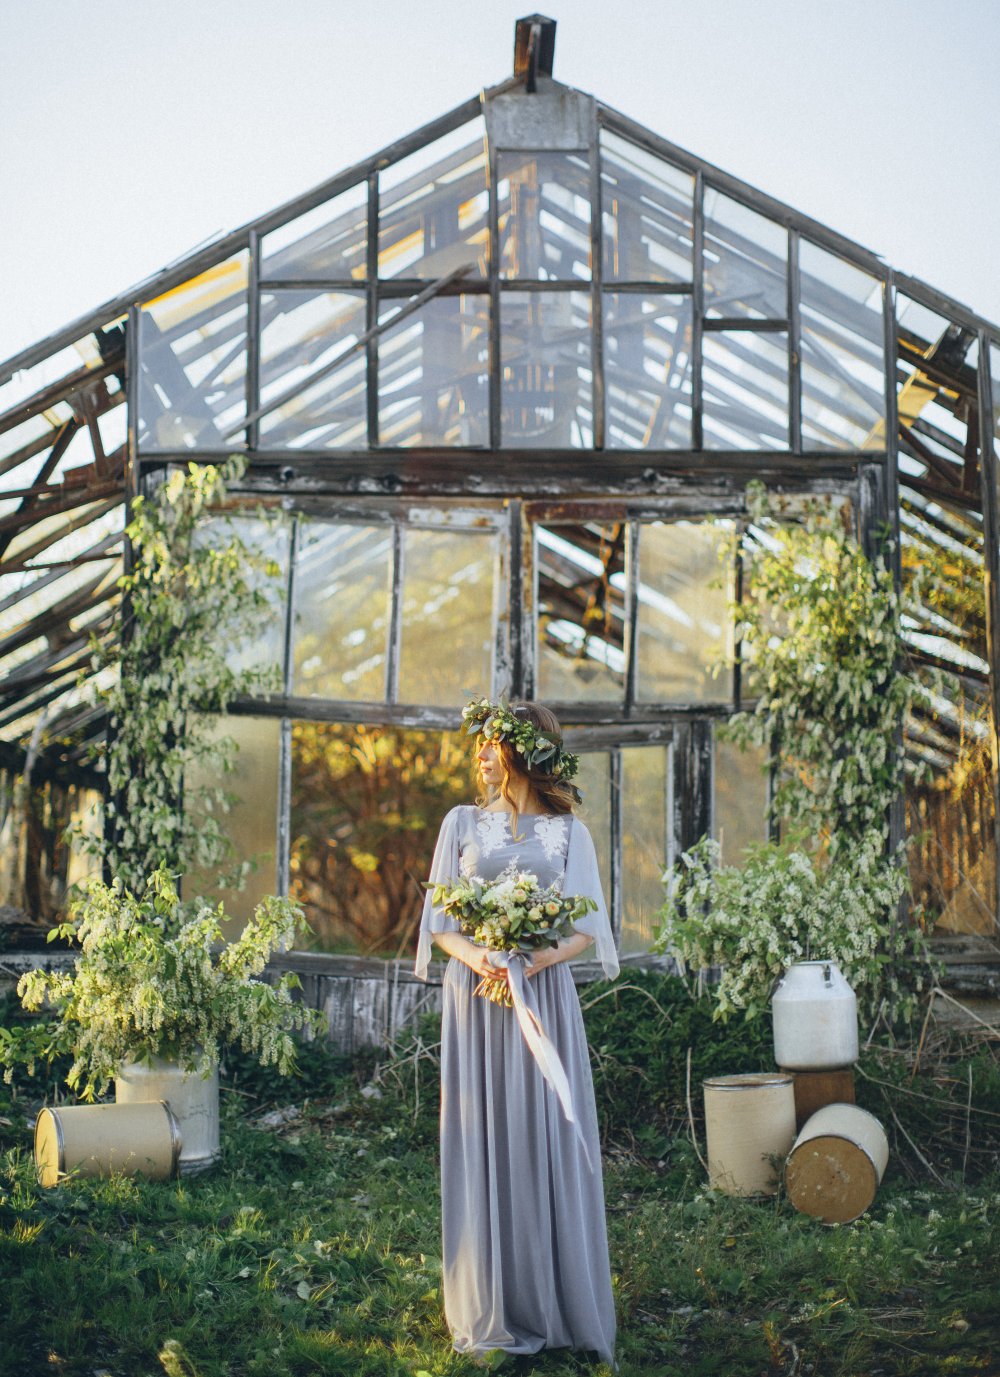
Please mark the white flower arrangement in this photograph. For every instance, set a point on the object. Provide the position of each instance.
(149, 984)
(779, 907)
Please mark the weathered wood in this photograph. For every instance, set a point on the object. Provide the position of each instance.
(337, 1002)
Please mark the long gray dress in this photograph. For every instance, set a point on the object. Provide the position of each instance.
(525, 1251)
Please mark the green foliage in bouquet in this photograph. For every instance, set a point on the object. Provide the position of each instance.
(513, 913)
(195, 590)
(820, 638)
(149, 982)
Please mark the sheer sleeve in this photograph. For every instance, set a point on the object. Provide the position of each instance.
(444, 866)
(583, 877)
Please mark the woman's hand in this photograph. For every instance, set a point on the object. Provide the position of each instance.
(540, 958)
(476, 958)
(479, 961)
(565, 951)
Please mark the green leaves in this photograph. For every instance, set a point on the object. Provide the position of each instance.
(820, 640)
(195, 588)
(151, 982)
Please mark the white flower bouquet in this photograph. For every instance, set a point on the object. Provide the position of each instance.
(513, 913)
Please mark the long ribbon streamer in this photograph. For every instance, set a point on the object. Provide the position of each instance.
(539, 1044)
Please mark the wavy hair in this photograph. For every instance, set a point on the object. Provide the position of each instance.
(555, 795)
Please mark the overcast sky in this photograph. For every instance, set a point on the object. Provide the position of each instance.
(133, 130)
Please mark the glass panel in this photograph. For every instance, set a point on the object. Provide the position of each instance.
(647, 214)
(745, 390)
(433, 209)
(594, 782)
(342, 591)
(843, 370)
(647, 371)
(252, 823)
(367, 803)
(684, 624)
(327, 244)
(543, 202)
(580, 612)
(995, 390)
(547, 373)
(193, 361)
(449, 601)
(950, 810)
(739, 804)
(302, 332)
(644, 842)
(433, 375)
(746, 258)
(268, 540)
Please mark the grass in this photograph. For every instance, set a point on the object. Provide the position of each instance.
(313, 1247)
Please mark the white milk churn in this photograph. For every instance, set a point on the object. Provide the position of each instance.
(815, 1015)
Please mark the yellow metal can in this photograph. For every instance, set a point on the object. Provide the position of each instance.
(96, 1140)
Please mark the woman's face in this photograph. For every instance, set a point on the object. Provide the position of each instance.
(490, 766)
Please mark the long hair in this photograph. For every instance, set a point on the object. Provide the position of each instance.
(555, 795)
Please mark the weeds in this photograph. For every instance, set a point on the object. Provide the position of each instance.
(313, 1248)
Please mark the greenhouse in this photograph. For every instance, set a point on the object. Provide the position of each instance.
(507, 380)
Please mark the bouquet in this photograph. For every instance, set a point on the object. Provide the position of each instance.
(513, 913)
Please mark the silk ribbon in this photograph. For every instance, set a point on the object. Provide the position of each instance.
(539, 1044)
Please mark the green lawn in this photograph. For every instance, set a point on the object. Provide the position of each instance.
(312, 1248)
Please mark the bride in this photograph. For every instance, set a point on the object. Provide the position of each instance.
(525, 1253)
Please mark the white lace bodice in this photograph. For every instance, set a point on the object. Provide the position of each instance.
(486, 845)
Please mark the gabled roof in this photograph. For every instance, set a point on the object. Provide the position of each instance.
(67, 453)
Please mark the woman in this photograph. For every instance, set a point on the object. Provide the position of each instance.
(525, 1254)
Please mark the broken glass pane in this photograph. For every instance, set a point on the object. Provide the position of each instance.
(745, 390)
(647, 214)
(433, 209)
(644, 842)
(367, 803)
(543, 202)
(302, 332)
(949, 739)
(684, 623)
(580, 612)
(937, 392)
(746, 258)
(193, 360)
(328, 243)
(647, 371)
(342, 591)
(449, 601)
(843, 372)
(547, 370)
(27, 383)
(433, 375)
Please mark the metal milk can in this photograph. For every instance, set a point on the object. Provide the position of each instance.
(815, 1014)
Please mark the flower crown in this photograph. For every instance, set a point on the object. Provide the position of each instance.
(500, 722)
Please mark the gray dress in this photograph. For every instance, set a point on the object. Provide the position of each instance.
(525, 1251)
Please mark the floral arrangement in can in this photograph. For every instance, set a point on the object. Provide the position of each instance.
(513, 913)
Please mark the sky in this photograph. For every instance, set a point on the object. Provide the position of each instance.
(133, 130)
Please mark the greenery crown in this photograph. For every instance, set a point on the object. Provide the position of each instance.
(499, 722)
